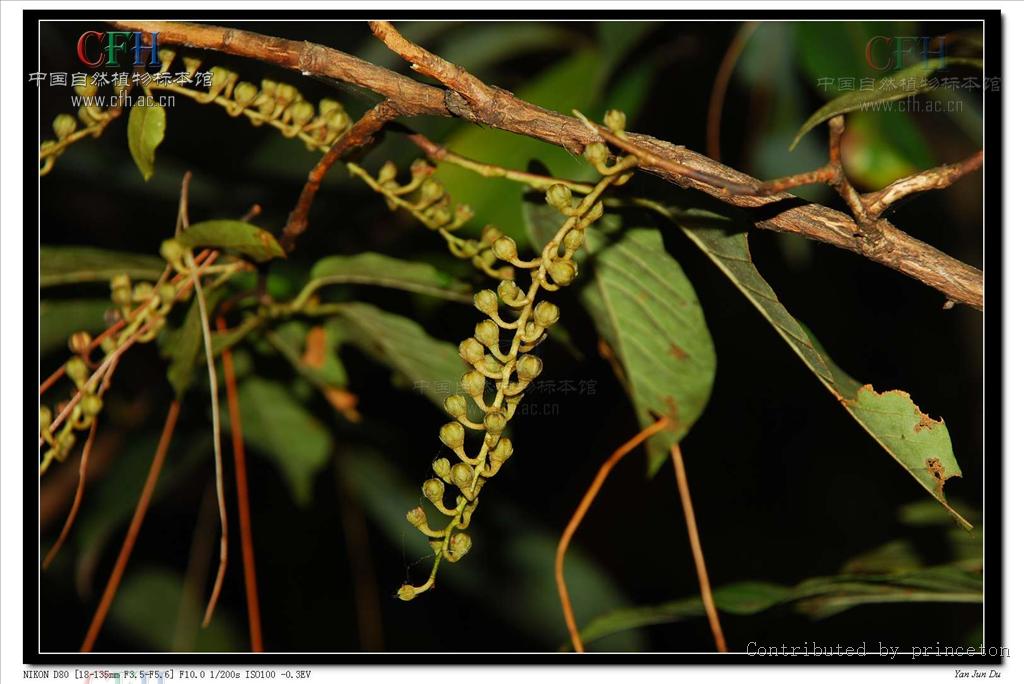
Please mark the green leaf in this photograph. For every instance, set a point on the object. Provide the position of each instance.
(278, 426)
(477, 46)
(905, 83)
(250, 240)
(645, 307)
(60, 318)
(378, 269)
(428, 365)
(184, 345)
(65, 265)
(146, 127)
(818, 597)
(918, 443)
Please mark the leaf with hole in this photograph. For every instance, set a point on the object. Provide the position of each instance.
(146, 127)
(645, 308)
(920, 444)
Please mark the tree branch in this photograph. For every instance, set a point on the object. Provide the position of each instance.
(468, 98)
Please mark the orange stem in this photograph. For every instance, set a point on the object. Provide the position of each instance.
(581, 511)
(698, 555)
(252, 601)
(79, 491)
(133, 529)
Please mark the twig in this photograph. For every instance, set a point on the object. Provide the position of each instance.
(698, 555)
(581, 511)
(252, 601)
(83, 468)
(217, 458)
(360, 135)
(133, 529)
(501, 109)
(721, 85)
(932, 179)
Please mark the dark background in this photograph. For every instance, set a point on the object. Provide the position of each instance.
(786, 485)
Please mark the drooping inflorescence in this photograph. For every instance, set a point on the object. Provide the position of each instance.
(276, 104)
(501, 365)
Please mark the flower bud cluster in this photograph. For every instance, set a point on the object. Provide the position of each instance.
(143, 307)
(502, 365)
(429, 202)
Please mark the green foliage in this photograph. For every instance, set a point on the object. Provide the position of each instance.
(913, 80)
(918, 443)
(280, 427)
(237, 236)
(61, 318)
(69, 265)
(643, 305)
(370, 268)
(146, 126)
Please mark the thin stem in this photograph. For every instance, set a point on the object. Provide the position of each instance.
(581, 512)
(717, 101)
(217, 457)
(242, 483)
(83, 468)
(133, 529)
(698, 555)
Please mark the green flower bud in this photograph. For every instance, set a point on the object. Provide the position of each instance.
(388, 172)
(453, 435)
(471, 351)
(532, 332)
(528, 367)
(142, 292)
(337, 120)
(416, 516)
(91, 405)
(459, 546)
(87, 89)
(492, 365)
(442, 467)
(406, 592)
(562, 271)
(487, 332)
(77, 370)
(505, 248)
(219, 77)
(455, 405)
(486, 301)
(545, 314)
(596, 153)
(473, 383)
(287, 93)
(559, 196)
(79, 342)
(301, 112)
(328, 105)
(433, 489)
(502, 451)
(615, 120)
(509, 292)
(64, 125)
(245, 92)
(45, 418)
(167, 293)
(462, 475)
(573, 240)
(172, 251)
(90, 115)
(431, 191)
(420, 168)
(494, 421)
